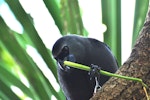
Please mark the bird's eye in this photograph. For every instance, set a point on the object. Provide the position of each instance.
(64, 53)
(65, 50)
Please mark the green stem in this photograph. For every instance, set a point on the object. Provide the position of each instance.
(87, 68)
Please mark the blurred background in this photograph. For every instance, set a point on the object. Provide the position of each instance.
(29, 28)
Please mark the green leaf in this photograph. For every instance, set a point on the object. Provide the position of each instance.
(12, 80)
(72, 21)
(111, 17)
(40, 86)
(6, 93)
(54, 10)
(32, 34)
(141, 8)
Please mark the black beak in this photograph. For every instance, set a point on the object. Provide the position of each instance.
(60, 62)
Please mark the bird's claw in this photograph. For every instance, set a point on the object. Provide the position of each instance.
(94, 72)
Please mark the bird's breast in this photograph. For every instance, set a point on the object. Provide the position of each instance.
(76, 84)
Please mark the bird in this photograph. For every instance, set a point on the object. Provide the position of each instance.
(75, 83)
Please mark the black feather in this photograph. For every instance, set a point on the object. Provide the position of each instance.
(76, 83)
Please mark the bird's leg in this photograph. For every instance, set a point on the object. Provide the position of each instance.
(97, 86)
(95, 73)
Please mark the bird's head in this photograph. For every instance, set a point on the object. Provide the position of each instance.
(65, 48)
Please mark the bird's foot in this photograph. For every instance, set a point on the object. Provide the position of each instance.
(95, 73)
(97, 86)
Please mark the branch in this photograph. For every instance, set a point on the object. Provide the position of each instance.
(87, 68)
(137, 65)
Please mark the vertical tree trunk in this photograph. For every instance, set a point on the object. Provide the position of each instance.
(137, 65)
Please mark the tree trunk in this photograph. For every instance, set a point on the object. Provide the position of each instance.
(138, 65)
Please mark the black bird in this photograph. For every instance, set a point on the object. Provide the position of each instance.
(76, 84)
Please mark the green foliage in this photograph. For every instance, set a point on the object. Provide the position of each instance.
(16, 62)
(141, 9)
(111, 11)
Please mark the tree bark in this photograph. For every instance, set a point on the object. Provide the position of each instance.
(137, 65)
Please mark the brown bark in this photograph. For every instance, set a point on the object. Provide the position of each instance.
(137, 65)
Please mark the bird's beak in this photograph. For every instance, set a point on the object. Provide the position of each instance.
(60, 62)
